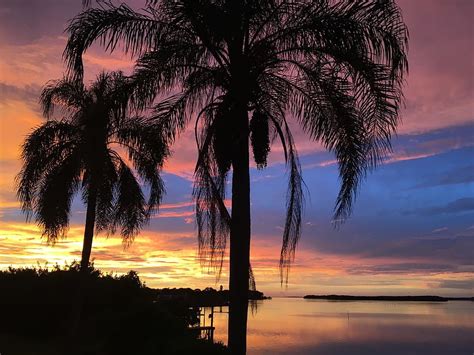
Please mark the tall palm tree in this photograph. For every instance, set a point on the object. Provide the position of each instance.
(244, 68)
(79, 151)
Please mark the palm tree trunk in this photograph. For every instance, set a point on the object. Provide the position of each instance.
(78, 300)
(89, 228)
(239, 241)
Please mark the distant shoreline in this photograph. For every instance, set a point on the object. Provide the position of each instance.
(388, 298)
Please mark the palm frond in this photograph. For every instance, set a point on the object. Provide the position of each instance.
(294, 203)
(111, 25)
(173, 65)
(43, 149)
(147, 149)
(54, 197)
(67, 94)
(106, 195)
(209, 192)
(329, 113)
(130, 207)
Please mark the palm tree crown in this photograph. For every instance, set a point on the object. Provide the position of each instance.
(80, 152)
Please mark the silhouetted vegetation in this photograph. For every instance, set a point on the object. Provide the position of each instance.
(121, 315)
(206, 297)
(76, 151)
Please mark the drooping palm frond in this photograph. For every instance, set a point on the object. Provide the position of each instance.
(64, 93)
(294, 208)
(106, 194)
(147, 149)
(50, 176)
(54, 197)
(130, 210)
(112, 25)
(43, 150)
(271, 104)
(354, 50)
(329, 115)
(212, 216)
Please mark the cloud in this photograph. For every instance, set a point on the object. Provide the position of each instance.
(40, 61)
(175, 214)
(16, 121)
(409, 147)
(461, 175)
(439, 88)
(182, 210)
(28, 94)
(457, 251)
(168, 206)
(400, 268)
(439, 230)
(428, 144)
(460, 205)
(458, 284)
(25, 21)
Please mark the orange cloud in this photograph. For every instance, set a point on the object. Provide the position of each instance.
(17, 119)
(113, 61)
(175, 214)
(176, 205)
(169, 259)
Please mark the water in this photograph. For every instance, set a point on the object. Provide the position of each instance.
(298, 326)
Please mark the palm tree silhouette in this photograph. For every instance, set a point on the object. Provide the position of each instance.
(243, 68)
(80, 152)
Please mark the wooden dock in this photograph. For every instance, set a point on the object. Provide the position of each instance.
(206, 331)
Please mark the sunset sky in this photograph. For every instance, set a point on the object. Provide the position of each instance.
(412, 231)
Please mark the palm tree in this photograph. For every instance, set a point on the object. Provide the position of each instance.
(80, 152)
(243, 69)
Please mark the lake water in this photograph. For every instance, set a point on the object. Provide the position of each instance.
(299, 326)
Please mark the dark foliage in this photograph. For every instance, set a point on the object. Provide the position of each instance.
(206, 297)
(121, 314)
(77, 150)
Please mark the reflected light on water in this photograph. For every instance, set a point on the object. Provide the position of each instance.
(298, 326)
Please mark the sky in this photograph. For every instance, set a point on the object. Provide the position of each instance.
(412, 230)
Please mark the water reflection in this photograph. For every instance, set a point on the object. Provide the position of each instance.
(297, 326)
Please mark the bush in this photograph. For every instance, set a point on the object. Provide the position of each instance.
(120, 315)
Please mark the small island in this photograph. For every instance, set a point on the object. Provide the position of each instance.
(388, 298)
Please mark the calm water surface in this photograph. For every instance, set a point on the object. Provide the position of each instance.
(298, 326)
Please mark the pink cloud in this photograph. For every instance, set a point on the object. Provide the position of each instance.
(176, 205)
(175, 214)
(440, 84)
